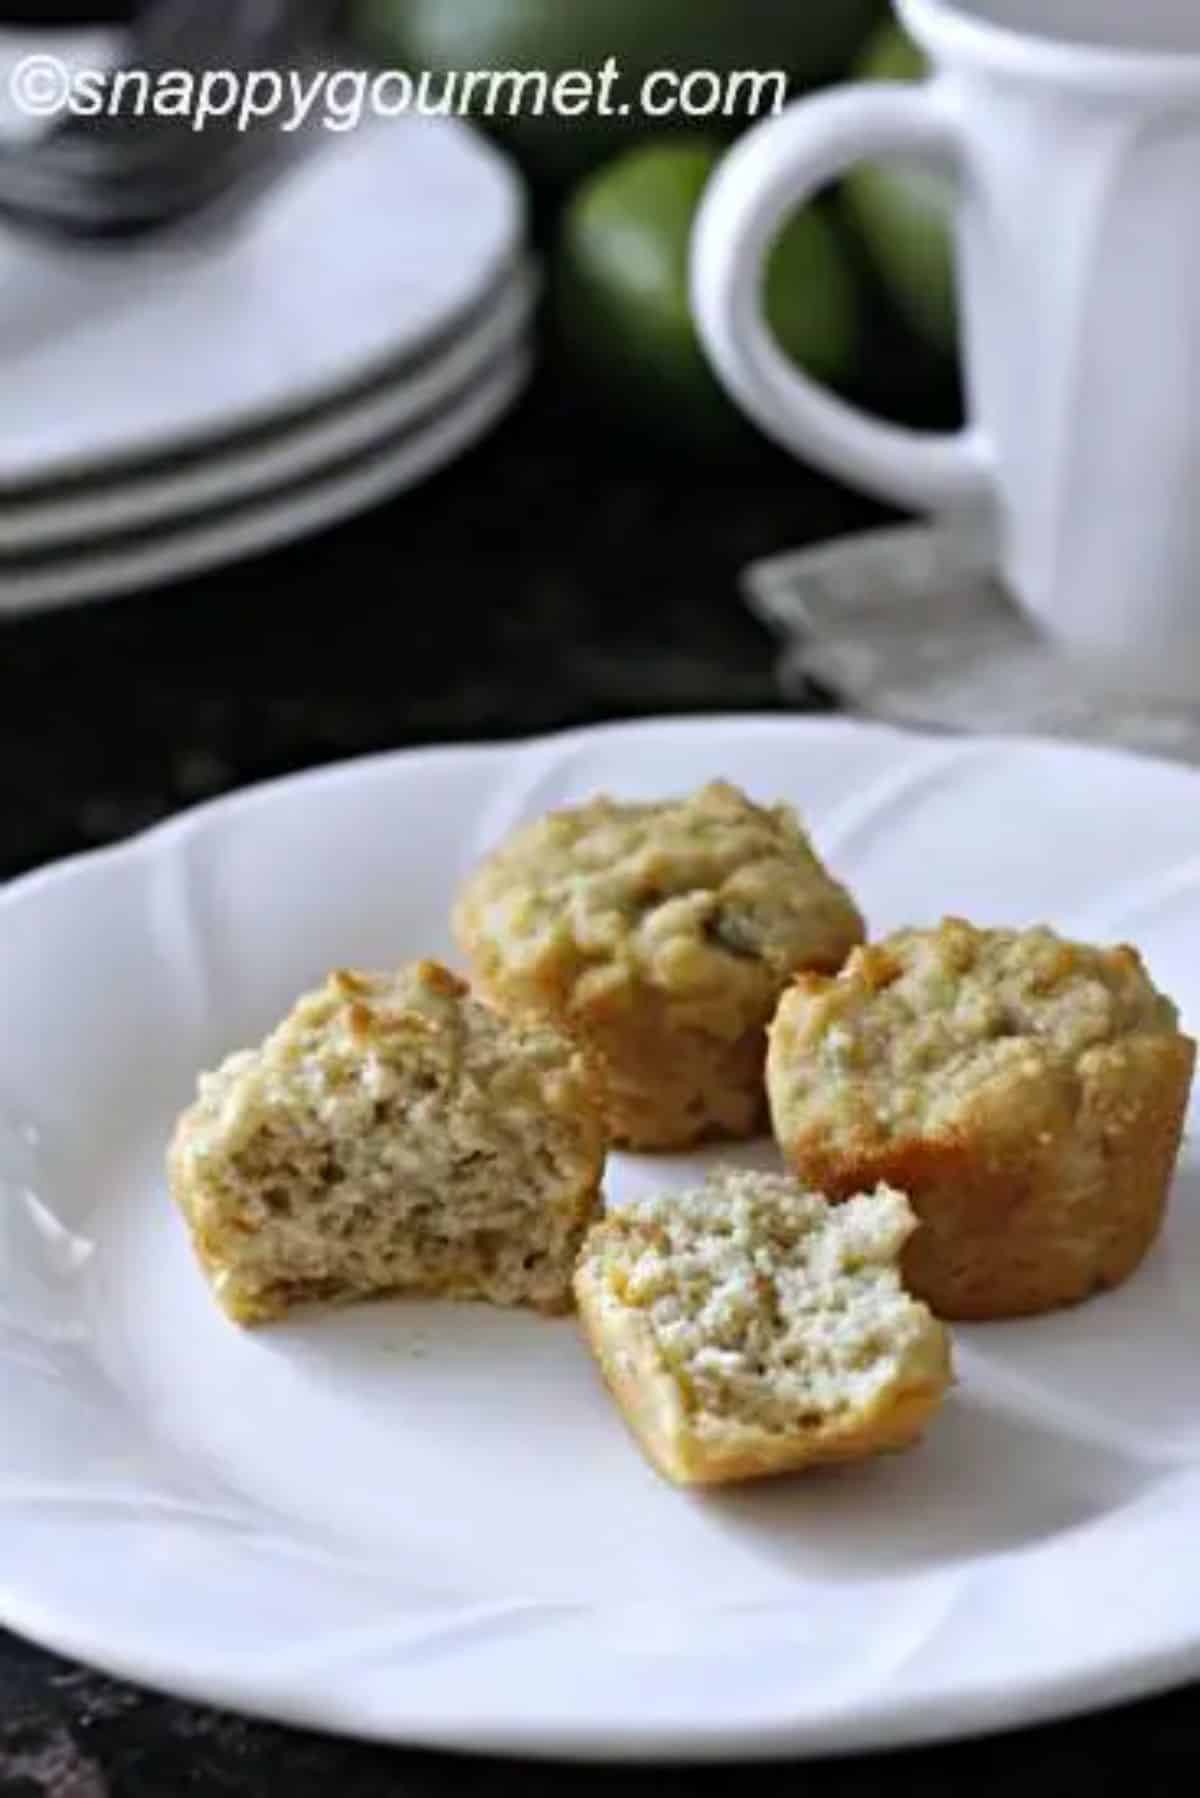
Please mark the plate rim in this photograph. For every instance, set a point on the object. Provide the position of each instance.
(511, 194)
(257, 792)
(984, 1712)
(279, 517)
(291, 448)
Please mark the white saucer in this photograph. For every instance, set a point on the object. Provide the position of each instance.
(232, 470)
(280, 516)
(426, 1522)
(372, 249)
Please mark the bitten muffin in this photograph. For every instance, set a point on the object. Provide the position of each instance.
(660, 937)
(1026, 1092)
(392, 1135)
(749, 1327)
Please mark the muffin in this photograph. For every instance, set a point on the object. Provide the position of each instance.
(749, 1327)
(1026, 1092)
(660, 937)
(391, 1136)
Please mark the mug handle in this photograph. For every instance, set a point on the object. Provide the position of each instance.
(765, 178)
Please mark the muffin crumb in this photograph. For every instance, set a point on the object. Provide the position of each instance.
(392, 1135)
(749, 1327)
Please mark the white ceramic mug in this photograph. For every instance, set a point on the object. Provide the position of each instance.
(1074, 129)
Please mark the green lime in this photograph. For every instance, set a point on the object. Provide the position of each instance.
(810, 40)
(622, 291)
(902, 212)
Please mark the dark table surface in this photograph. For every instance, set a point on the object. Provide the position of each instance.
(555, 576)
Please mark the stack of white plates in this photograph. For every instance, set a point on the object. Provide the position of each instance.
(178, 402)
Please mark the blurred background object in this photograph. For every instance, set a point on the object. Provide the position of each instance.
(196, 397)
(67, 12)
(252, 372)
(903, 212)
(859, 288)
(813, 42)
(621, 293)
(912, 626)
(110, 173)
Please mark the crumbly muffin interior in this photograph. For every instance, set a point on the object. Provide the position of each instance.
(393, 1135)
(917, 1025)
(770, 1307)
(710, 900)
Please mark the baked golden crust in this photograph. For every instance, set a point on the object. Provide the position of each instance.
(392, 1135)
(652, 1405)
(870, 1393)
(1032, 1107)
(660, 938)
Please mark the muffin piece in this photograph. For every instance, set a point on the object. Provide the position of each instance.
(749, 1327)
(660, 937)
(391, 1136)
(1028, 1093)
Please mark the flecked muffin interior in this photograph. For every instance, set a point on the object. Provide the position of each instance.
(919, 1024)
(771, 1307)
(391, 1135)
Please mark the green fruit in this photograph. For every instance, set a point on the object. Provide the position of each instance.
(812, 40)
(622, 292)
(902, 212)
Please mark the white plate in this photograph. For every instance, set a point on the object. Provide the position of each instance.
(376, 245)
(424, 1522)
(171, 554)
(233, 470)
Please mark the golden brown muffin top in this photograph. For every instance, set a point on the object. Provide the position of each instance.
(711, 900)
(916, 1024)
(365, 1040)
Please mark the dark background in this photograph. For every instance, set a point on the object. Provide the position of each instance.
(563, 572)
